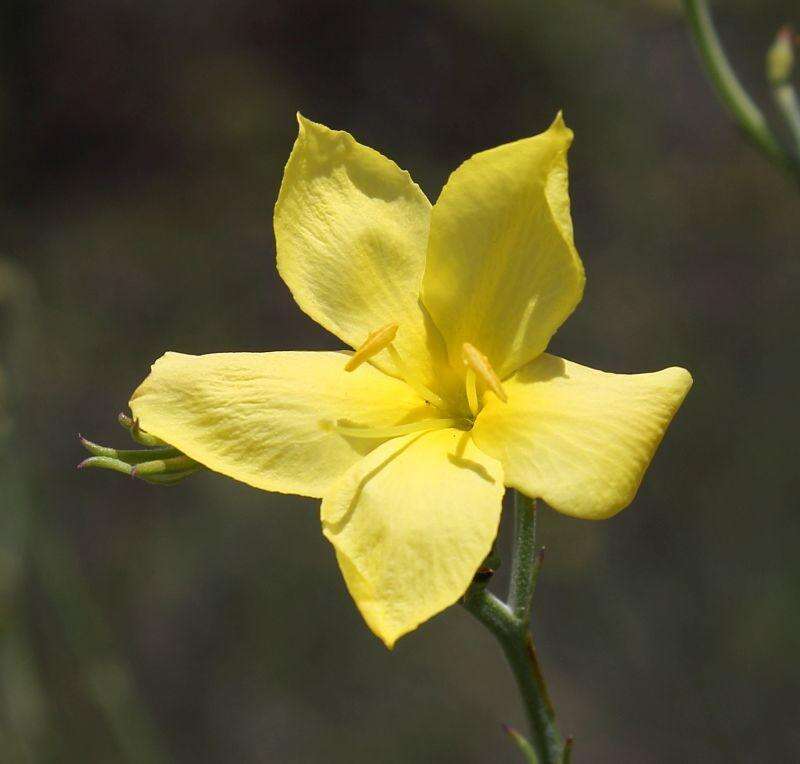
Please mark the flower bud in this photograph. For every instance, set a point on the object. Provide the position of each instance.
(780, 57)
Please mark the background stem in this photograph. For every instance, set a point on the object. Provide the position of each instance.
(37, 548)
(786, 97)
(730, 91)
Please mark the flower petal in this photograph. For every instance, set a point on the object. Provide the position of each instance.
(351, 229)
(264, 418)
(502, 270)
(578, 438)
(411, 524)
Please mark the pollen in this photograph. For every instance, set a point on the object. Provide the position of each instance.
(378, 340)
(478, 363)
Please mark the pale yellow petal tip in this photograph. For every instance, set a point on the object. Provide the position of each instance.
(389, 634)
(319, 143)
(685, 374)
(558, 128)
(389, 639)
(305, 124)
(680, 379)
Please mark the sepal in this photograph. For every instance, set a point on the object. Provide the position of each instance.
(158, 464)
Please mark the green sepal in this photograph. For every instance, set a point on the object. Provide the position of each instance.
(131, 456)
(138, 434)
(167, 479)
(159, 464)
(172, 465)
(106, 463)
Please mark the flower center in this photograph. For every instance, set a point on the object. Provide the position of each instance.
(376, 342)
(478, 369)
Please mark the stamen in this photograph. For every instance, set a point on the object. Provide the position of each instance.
(413, 381)
(424, 425)
(375, 342)
(472, 392)
(479, 364)
(381, 339)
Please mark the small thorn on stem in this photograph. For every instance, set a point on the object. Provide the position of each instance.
(521, 742)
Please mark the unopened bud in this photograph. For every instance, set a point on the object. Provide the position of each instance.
(780, 57)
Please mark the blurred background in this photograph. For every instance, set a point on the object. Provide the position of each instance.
(142, 145)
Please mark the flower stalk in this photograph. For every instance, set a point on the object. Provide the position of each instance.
(509, 622)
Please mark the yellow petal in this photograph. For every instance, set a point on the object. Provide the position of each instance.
(351, 229)
(578, 438)
(502, 272)
(265, 418)
(411, 524)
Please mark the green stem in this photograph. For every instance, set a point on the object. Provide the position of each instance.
(730, 91)
(524, 566)
(509, 624)
(786, 97)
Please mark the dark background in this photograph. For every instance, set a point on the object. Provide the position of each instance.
(142, 145)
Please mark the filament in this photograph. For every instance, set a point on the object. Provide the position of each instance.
(413, 381)
(423, 425)
(472, 392)
(479, 364)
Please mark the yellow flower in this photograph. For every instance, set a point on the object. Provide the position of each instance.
(449, 397)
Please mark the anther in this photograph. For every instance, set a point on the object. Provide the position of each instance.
(479, 364)
(375, 342)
